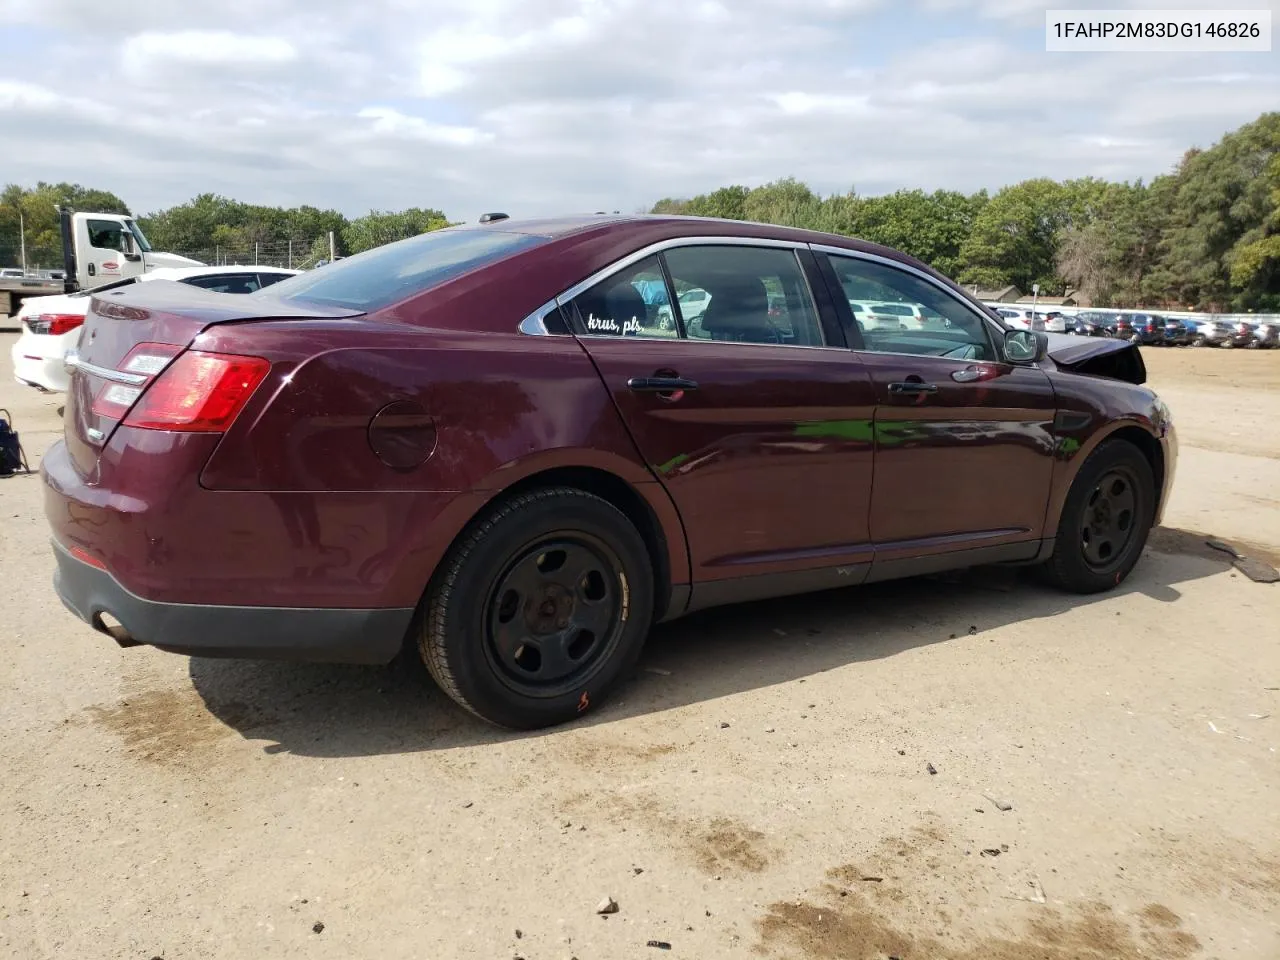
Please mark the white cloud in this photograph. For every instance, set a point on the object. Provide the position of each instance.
(542, 106)
(387, 121)
(216, 47)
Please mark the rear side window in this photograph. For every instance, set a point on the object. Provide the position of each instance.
(226, 282)
(385, 275)
(755, 295)
(630, 303)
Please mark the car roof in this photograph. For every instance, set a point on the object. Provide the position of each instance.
(684, 226)
(181, 273)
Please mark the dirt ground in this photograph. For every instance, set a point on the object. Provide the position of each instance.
(763, 788)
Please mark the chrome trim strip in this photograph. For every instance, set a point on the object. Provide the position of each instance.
(535, 324)
(717, 343)
(634, 258)
(74, 362)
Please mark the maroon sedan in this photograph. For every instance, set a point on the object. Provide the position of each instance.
(517, 445)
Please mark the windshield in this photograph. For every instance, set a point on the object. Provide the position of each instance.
(396, 271)
(139, 238)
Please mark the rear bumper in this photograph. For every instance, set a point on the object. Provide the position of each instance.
(315, 634)
(47, 373)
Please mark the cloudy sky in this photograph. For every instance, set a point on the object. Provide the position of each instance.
(541, 106)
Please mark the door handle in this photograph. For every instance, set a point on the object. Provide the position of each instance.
(912, 388)
(660, 384)
(967, 375)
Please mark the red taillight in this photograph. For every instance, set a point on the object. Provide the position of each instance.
(198, 392)
(144, 362)
(54, 324)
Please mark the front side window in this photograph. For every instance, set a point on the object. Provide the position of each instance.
(631, 303)
(753, 295)
(920, 318)
(105, 234)
(139, 237)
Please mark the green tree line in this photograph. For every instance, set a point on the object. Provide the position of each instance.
(209, 227)
(1205, 235)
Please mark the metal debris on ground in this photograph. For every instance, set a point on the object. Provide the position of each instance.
(724, 725)
(991, 852)
(933, 771)
(1255, 570)
(999, 804)
(1223, 546)
(607, 905)
(659, 944)
(1035, 896)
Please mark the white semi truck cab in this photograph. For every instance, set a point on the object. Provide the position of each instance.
(99, 248)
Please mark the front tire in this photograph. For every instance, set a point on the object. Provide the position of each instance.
(540, 609)
(1105, 520)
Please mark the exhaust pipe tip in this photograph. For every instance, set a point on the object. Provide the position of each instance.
(104, 622)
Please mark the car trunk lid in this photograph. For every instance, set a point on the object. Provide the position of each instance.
(130, 334)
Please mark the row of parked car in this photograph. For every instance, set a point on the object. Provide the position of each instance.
(1148, 329)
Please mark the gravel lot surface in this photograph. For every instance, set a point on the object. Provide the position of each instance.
(763, 788)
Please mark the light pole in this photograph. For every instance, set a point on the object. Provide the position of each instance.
(1035, 298)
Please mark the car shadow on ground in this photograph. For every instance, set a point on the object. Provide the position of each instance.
(342, 711)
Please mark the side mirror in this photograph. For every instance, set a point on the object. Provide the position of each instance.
(128, 249)
(1025, 346)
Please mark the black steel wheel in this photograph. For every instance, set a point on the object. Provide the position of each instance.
(1105, 520)
(555, 614)
(539, 609)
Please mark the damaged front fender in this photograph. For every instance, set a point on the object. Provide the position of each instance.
(1113, 359)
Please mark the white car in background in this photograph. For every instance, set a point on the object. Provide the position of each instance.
(868, 320)
(1055, 322)
(51, 325)
(693, 303)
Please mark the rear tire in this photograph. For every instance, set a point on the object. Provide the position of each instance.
(1105, 520)
(540, 609)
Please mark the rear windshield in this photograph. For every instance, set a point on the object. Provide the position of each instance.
(385, 275)
(892, 309)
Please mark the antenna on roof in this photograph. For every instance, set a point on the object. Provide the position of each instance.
(493, 217)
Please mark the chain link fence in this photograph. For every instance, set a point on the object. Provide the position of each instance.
(290, 254)
(305, 253)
